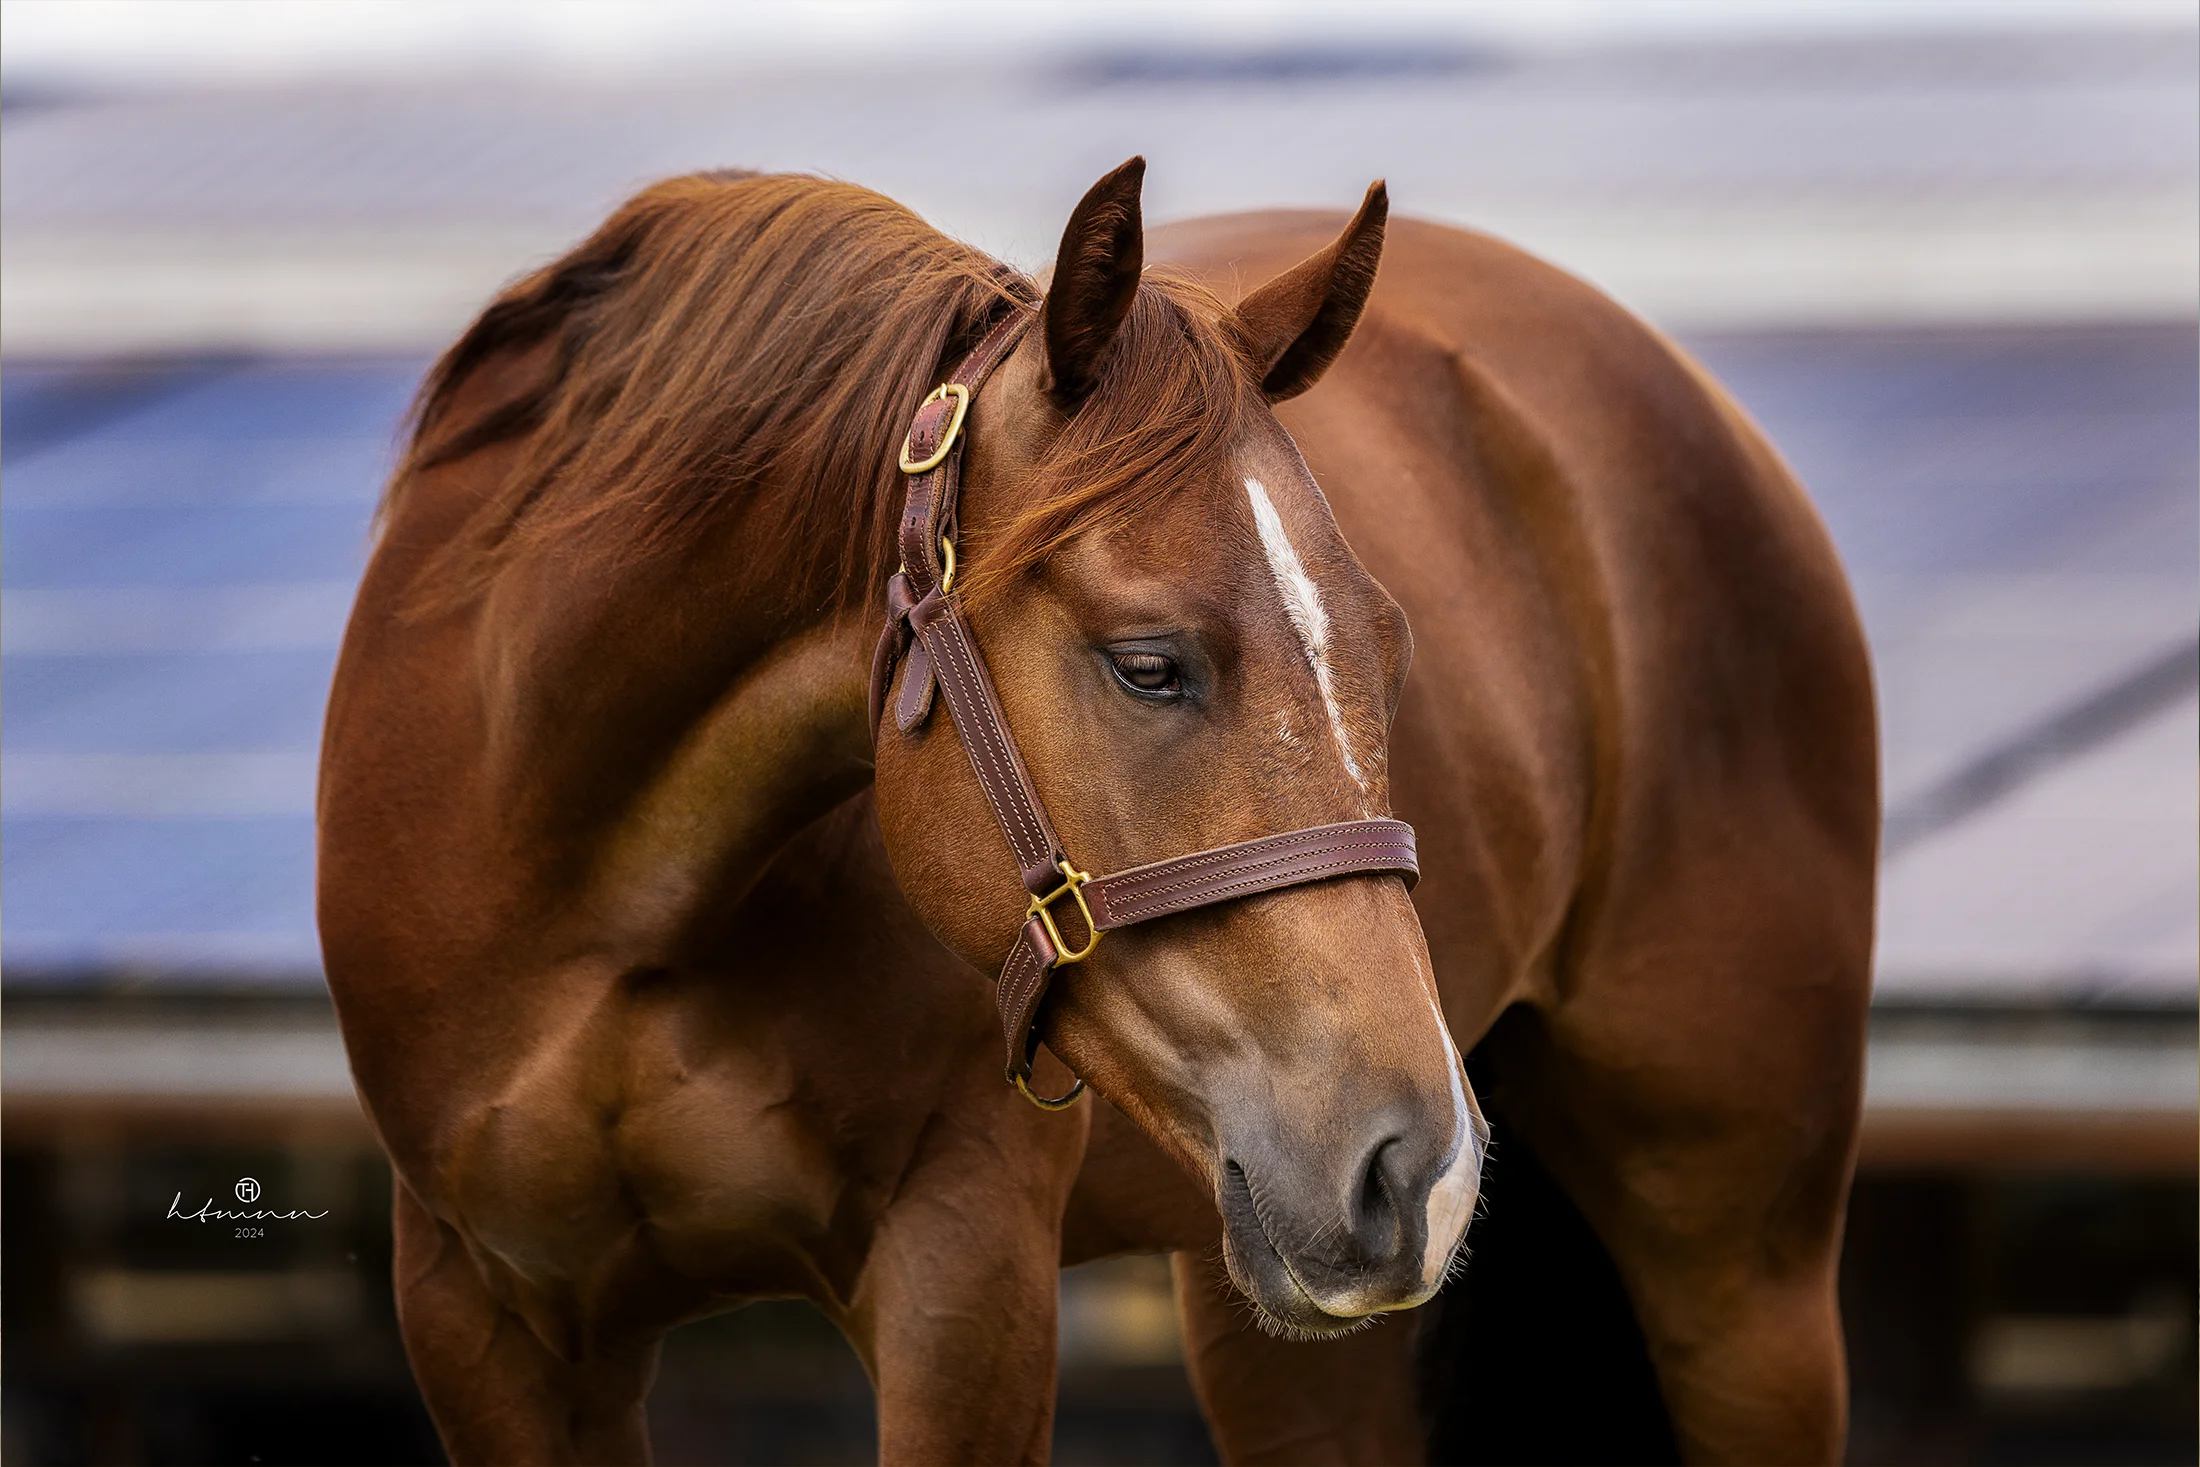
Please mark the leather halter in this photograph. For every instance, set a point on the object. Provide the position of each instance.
(944, 655)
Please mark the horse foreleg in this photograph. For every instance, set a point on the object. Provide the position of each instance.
(1720, 1204)
(955, 1310)
(1747, 1344)
(497, 1393)
(1345, 1399)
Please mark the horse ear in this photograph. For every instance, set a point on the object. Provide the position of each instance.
(1294, 326)
(1095, 277)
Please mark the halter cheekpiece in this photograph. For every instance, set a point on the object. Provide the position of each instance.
(921, 605)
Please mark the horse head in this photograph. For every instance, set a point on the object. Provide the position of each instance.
(1190, 655)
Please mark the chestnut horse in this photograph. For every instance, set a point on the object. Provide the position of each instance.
(655, 969)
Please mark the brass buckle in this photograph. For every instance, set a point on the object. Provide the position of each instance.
(961, 394)
(1073, 882)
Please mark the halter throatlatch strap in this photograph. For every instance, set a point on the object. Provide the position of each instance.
(925, 630)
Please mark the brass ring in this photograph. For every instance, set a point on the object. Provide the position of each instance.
(1063, 1102)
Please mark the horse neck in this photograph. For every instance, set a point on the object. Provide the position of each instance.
(670, 725)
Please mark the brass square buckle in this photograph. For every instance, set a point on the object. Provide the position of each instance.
(1073, 882)
(961, 395)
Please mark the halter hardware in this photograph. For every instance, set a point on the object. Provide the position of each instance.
(928, 640)
(1073, 887)
(961, 395)
(1021, 1079)
(947, 562)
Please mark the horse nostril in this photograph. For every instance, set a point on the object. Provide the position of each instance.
(1376, 1213)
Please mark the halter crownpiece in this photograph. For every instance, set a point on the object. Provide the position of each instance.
(925, 630)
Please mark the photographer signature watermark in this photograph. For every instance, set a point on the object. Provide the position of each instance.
(248, 1192)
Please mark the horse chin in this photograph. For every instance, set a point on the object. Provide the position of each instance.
(1282, 1303)
(1282, 1306)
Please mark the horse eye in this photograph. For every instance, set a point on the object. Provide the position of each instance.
(1145, 672)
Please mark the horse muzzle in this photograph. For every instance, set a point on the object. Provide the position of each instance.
(1318, 1249)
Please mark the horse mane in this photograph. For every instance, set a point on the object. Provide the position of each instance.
(734, 343)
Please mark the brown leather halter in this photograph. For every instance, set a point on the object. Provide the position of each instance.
(920, 600)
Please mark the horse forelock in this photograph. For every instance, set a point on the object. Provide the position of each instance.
(1164, 420)
(754, 345)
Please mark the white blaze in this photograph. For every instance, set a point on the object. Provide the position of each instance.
(1452, 1198)
(1302, 603)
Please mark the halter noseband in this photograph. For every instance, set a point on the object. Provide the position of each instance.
(944, 655)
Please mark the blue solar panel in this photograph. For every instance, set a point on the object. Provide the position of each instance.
(176, 899)
(181, 703)
(182, 545)
(179, 542)
(1938, 453)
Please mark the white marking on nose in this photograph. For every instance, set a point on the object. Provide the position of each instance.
(1451, 1200)
(1302, 603)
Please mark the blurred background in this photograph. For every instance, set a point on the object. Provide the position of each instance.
(1947, 253)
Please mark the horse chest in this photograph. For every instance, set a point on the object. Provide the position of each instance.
(677, 1129)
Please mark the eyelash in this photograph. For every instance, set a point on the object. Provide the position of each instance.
(1129, 666)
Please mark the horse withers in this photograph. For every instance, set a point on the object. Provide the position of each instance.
(655, 969)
